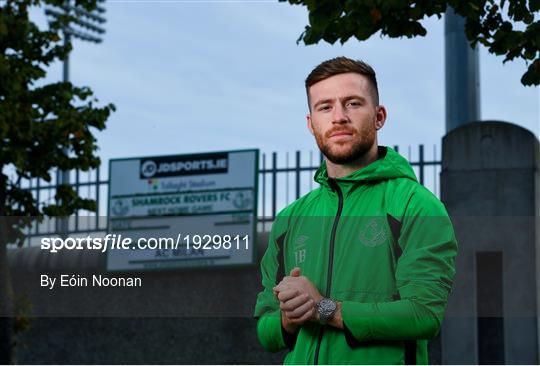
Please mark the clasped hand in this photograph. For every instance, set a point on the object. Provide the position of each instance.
(297, 299)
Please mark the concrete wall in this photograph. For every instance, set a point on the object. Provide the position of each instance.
(489, 183)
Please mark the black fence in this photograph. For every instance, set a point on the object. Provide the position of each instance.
(282, 179)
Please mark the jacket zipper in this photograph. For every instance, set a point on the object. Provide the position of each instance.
(335, 187)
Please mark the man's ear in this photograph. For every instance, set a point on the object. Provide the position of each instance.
(309, 126)
(380, 116)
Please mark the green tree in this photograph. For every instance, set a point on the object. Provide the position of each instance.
(493, 23)
(41, 128)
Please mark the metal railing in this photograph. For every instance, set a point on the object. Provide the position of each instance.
(279, 184)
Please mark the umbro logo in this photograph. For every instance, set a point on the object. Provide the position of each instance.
(301, 241)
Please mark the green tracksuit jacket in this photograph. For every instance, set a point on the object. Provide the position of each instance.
(379, 242)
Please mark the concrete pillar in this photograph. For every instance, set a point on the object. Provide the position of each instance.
(490, 186)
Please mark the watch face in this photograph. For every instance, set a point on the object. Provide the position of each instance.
(326, 308)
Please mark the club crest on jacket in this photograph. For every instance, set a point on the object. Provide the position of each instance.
(373, 233)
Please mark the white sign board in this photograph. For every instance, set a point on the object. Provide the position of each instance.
(183, 211)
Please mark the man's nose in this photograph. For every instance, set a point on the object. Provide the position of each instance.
(339, 114)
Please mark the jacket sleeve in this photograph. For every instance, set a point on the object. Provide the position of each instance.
(269, 330)
(424, 277)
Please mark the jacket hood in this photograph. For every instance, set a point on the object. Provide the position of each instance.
(389, 165)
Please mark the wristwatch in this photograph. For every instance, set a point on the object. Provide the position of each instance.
(325, 309)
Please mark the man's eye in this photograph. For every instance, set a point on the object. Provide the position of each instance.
(324, 108)
(354, 104)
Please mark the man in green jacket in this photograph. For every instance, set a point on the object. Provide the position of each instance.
(358, 271)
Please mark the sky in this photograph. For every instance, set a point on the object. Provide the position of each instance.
(194, 76)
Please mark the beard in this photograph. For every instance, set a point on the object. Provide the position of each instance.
(348, 151)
